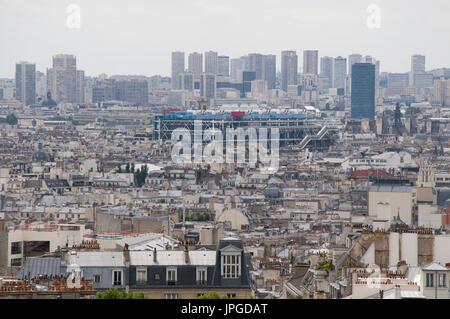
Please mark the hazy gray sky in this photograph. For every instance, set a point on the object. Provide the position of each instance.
(137, 36)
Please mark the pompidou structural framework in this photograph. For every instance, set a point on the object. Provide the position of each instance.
(294, 128)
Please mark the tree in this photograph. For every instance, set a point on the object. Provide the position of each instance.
(114, 293)
(212, 295)
(119, 168)
(398, 119)
(140, 175)
(412, 110)
(11, 119)
(127, 168)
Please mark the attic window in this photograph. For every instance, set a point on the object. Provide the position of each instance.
(231, 266)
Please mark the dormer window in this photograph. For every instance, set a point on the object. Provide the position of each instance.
(171, 275)
(231, 266)
(430, 280)
(442, 282)
(201, 275)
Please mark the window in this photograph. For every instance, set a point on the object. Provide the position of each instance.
(16, 262)
(117, 277)
(231, 295)
(231, 266)
(141, 276)
(157, 277)
(430, 280)
(171, 276)
(171, 296)
(201, 276)
(16, 248)
(97, 279)
(442, 280)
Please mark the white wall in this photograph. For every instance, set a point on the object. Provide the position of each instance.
(409, 248)
(394, 248)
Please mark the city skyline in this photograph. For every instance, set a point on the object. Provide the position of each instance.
(150, 39)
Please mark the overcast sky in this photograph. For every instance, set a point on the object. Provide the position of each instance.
(137, 36)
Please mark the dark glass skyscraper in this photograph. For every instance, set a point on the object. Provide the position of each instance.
(363, 91)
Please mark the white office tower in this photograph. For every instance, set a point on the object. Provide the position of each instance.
(352, 59)
(237, 67)
(258, 88)
(26, 82)
(289, 69)
(177, 69)
(309, 94)
(195, 64)
(311, 62)
(417, 67)
(223, 67)
(41, 84)
(62, 78)
(339, 72)
(211, 62)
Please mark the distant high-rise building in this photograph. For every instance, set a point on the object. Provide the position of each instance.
(80, 86)
(62, 78)
(195, 64)
(177, 69)
(223, 65)
(258, 87)
(237, 67)
(26, 82)
(247, 78)
(326, 73)
(187, 81)
(397, 80)
(370, 59)
(132, 91)
(417, 67)
(352, 59)
(270, 70)
(441, 95)
(104, 90)
(208, 86)
(363, 91)
(41, 85)
(289, 69)
(423, 80)
(310, 62)
(211, 62)
(339, 72)
(256, 65)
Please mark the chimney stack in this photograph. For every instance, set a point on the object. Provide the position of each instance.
(154, 255)
(126, 253)
(186, 254)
